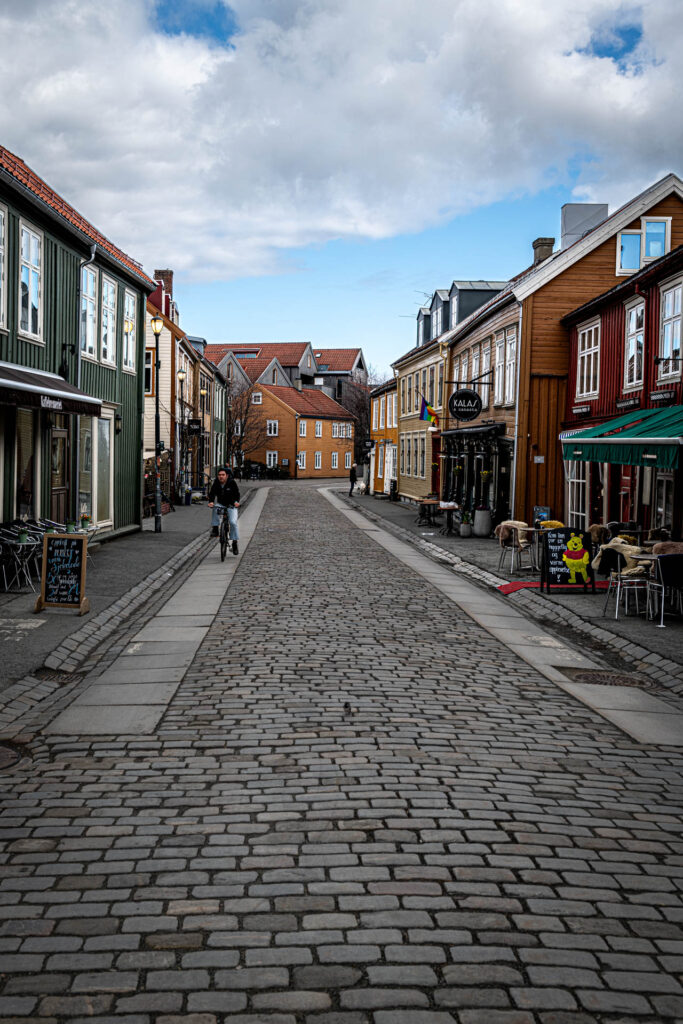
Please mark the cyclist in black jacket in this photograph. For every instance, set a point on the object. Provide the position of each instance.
(224, 491)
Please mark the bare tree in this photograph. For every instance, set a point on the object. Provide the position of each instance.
(356, 399)
(245, 425)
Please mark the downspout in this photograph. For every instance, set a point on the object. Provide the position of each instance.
(516, 437)
(84, 263)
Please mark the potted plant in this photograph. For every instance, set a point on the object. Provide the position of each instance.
(70, 526)
(85, 520)
(466, 525)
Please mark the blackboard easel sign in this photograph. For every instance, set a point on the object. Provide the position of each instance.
(567, 560)
(62, 581)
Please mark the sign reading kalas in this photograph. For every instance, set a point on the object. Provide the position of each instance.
(464, 405)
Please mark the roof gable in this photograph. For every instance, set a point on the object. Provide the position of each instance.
(309, 402)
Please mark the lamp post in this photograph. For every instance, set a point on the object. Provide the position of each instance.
(203, 392)
(181, 380)
(157, 324)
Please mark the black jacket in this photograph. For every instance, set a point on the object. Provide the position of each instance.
(352, 475)
(224, 494)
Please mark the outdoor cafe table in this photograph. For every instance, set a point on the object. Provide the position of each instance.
(427, 508)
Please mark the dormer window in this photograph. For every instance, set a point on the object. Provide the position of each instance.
(636, 248)
(454, 310)
(274, 376)
(437, 321)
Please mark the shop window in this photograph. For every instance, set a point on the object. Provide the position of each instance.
(588, 361)
(633, 347)
(104, 470)
(25, 464)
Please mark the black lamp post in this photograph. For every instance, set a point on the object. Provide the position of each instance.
(157, 325)
(181, 380)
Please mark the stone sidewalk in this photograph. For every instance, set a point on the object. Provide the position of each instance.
(430, 833)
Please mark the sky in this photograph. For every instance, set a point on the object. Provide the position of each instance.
(315, 169)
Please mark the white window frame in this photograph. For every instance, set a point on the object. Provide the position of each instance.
(4, 219)
(476, 362)
(318, 460)
(335, 430)
(631, 340)
(301, 458)
(395, 411)
(256, 398)
(271, 459)
(272, 428)
(486, 376)
(347, 460)
(416, 463)
(318, 428)
(416, 390)
(382, 412)
(380, 461)
(335, 460)
(409, 448)
(499, 375)
(588, 360)
(420, 332)
(454, 310)
(130, 331)
(510, 363)
(465, 368)
(88, 343)
(642, 235)
(375, 414)
(150, 354)
(38, 338)
(302, 428)
(670, 368)
(110, 358)
(423, 456)
(437, 322)
(578, 479)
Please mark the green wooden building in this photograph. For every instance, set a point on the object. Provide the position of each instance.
(72, 322)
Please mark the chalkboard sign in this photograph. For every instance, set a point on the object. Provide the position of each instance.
(541, 514)
(566, 559)
(62, 583)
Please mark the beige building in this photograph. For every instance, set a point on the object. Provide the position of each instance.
(420, 375)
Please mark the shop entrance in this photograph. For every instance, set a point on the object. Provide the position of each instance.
(59, 471)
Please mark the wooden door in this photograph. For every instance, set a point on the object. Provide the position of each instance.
(59, 474)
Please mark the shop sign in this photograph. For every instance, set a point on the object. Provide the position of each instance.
(51, 403)
(581, 410)
(464, 405)
(662, 396)
(567, 560)
(194, 428)
(628, 403)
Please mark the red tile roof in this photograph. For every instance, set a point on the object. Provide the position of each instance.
(309, 402)
(23, 174)
(289, 353)
(339, 359)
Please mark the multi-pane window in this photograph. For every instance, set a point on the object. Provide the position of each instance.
(380, 460)
(409, 407)
(423, 454)
(271, 459)
(636, 248)
(403, 396)
(401, 454)
(430, 392)
(30, 283)
(499, 380)
(88, 310)
(456, 372)
(375, 406)
(437, 321)
(510, 360)
(347, 460)
(394, 403)
(302, 428)
(382, 409)
(454, 310)
(318, 428)
(409, 449)
(302, 460)
(670, 332)
(318, 460)
(486, 377)
(3, 261)
(389, 421)
(464, 368)
(108, 316)
(439, 395)
(335, 460)
(416, 391)
(588, 361)
(476, 356)
(129, 330)
(257, 398)
(633, 347)
(149, 371)
(335, 430)
(415, 463)
(424, 383)
(272, 428)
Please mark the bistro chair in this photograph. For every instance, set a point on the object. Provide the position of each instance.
(667, 578)
(622, 585)
(511, 541)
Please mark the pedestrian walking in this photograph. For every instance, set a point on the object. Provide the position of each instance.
(353, 476)
(224, 491)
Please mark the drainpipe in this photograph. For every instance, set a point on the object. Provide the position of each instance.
(518, 363)
(84, 263)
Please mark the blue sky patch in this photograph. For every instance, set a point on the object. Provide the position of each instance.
(205, 19)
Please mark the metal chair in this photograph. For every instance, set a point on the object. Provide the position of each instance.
(517, 548)
(668, 576)
(623, 586)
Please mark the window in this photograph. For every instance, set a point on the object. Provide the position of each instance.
(420, 332)
(108, 318)
(149, 371)
(633, 346)
(308, 360)
(456, 372)
(318, 428)
(424, 383)
(30, 289)
(26, 477)
(335, 460)
(409, 449)
(3, 263)
(394, 408)
(464, 369)
(238, 428)
(129, 330)
(382, 411)
(375, 404)
(302, 460)
(416, 391)
(499, 381)
(577, 485)
(510, 358)
(430, 392)
(402, 454)
(588, 361)
(389, 420)
(272, 428)
(439, 393)
(380, 460)
(437, 321)
(636, 248)
(476, 356)
(302, 428)
(347, 460)
(423, 454)
(87, 319)
(318, 460)
(274, 379)
(454, 310)
(403, 395)
(409, 407)
(271, 460)
(670, 332)
(415, 463)
(96, 467)
(257, 398)
(335, 430)
(486, 376)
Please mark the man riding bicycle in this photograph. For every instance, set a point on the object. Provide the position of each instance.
(224, 491)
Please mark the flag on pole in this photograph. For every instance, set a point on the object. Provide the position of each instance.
(427, 413)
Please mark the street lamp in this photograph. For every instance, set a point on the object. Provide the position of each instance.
(157, 325)
(203, 392)
(181, 375)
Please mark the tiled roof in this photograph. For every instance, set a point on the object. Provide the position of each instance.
(288, 353)
(23, 175)
(255, 367)
(339, 359)
(309, 402)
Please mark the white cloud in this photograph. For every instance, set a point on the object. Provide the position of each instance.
(331, 118)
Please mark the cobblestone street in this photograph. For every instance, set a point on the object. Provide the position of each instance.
(359, 808)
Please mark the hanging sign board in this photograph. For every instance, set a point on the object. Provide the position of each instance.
(566, 560)
(194, 427)
(62, 581)
(464, 405)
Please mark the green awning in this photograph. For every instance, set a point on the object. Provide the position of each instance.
(648, 437)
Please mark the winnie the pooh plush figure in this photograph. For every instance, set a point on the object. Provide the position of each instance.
(576, 558)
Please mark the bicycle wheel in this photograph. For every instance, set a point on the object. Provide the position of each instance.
(224, 538)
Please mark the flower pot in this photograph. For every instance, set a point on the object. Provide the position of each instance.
(70, 527)
(482, 522)
(466, 529)
(85, 523)
(23, 536)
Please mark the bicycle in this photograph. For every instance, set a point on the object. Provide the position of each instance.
(224, 529)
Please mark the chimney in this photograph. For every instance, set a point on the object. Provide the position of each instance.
(298, 384)
(166, 278)
(543, 248)
(580, 218)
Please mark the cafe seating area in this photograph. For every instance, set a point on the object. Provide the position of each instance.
(21, 551)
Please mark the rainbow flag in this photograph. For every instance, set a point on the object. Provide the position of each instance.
(427, 413)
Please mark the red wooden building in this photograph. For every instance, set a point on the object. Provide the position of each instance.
(623, 426)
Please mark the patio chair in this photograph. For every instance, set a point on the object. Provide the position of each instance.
(622, 584)
(511, 541)
(668, 577)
